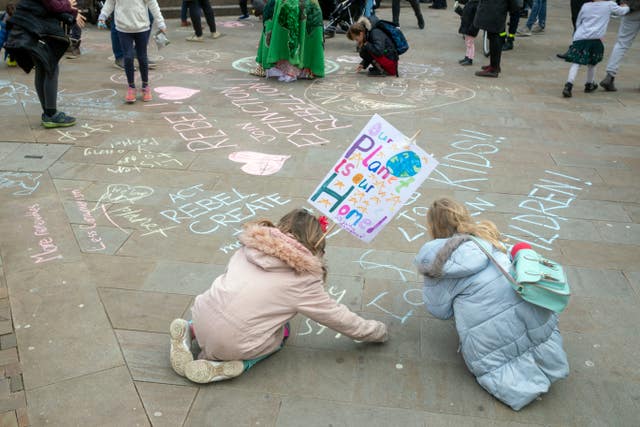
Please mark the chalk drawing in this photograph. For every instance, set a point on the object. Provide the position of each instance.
(27, 181)
(358, 96)
(203, 56)
(48, 249)
(259, 163)
(175, 93)
(84, 131)
(195, 129)
(248, 63)
(121, 193)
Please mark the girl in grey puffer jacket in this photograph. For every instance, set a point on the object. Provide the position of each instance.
(513, 347)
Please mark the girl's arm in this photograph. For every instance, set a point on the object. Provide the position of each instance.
(315, 303)
(619, 10)
(438, 298)
(107, 10)
(157, 15)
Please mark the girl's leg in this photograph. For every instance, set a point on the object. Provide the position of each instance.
(469, 43)
(591, 73)
(126, 43)
(141, 41)
(573, 72)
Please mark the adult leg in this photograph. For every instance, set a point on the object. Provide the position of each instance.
(495, 50)
(244, 10)
(629, 27)
(509, 37)
(542, 14)
(208, 15)
(47, 89)
(194, 13)
(533, 16)
(416, 10)
(395, 12)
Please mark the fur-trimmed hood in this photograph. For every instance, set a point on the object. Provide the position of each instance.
(270, 248)
(369, 22)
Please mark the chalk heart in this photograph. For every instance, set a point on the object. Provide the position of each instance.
(175, 93)
(258, 163)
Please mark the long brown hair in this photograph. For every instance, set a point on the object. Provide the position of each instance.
(447, 217)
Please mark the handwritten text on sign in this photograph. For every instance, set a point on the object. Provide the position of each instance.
(372, 180)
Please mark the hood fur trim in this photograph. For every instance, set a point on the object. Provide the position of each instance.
(275, 243)
(365, 21)
(435, 269)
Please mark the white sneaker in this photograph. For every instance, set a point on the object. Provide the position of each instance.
(208, 371)
(216, 35)
(180, 353)
(525, 32)
(195, 38)
(537, 29)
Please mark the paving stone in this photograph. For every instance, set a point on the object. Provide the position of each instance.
(166, 405)
(182, 277)
(32, 158)
(8, 341)
(142, 310)
(8, 419)
(625, 233)
(106, 398)
(147, 357)
(221, 406)
(600, 255)
(588, 282)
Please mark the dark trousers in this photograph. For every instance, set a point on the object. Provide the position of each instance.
(514, 20)
(135, 42)
(47, 87)
(575, 9)
(194, 13)
(395, 10)
(495, 49)
(243, 7)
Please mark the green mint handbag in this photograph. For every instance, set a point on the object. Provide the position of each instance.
(536, 279)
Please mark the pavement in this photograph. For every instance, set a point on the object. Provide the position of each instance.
(110, 228)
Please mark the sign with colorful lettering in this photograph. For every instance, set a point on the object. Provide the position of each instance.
(372, 180)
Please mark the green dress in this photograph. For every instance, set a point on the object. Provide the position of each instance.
(292, 38)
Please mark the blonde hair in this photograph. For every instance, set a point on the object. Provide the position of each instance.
(302, 226)
(356, 29)
(447, 217)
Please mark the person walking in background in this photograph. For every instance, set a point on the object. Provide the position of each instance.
(395, 12)
(244, 317)
(514, 20)
(627, 32)
(184, 10)
(244, 10)
(438, 4)
(491, 16)
(131, 19)
(587, 48)
(512, 347)
(38, 40)
(468, 30)
(375, 48)
(75, 37)
(537, 19)
(196, 21)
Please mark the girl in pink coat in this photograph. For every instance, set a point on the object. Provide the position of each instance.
(242, 319)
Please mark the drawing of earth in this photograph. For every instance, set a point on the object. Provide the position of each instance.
(359, 95)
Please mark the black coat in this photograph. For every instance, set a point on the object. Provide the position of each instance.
(492, 14)
(377, 43)
(37, 35)
(466, 20)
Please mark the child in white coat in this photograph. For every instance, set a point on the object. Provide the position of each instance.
(132, 22)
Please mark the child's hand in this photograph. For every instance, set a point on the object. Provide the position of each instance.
(80, 20)
(102, 25)
(359, 68)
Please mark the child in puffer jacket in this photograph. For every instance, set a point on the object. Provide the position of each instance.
(513, 348)
(243, 318)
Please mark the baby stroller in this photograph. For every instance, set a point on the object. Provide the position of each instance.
(346, 13)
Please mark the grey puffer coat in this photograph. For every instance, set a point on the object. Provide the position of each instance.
(514, 348)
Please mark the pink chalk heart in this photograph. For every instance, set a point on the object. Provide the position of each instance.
(258, 163)
(175, 93)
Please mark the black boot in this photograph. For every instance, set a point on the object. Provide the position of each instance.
(508, 43)
(466, 61)
(563, 55)
(590, 87)
(416, 9)
(607, 83)
(566, 92)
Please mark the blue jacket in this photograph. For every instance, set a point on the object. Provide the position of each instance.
(513, 347)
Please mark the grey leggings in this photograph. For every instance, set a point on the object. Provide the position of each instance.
(47, 87)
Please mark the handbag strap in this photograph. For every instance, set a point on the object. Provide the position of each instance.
(494, 261)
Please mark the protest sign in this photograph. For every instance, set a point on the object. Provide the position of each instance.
(372, 180)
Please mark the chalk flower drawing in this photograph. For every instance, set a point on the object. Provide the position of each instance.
(258, 163)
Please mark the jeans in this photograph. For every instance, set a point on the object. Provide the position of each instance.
(368, 8)
(627, 32)
(183, 11)
(539, 12)
(194, 12)
(137, 41)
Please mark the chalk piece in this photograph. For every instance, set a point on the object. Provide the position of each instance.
(64, 282)
(609, 225)
(399, 366)
(27, 326)
(589, 363)
(627, 226)
(596, 346)
(31, 348)
(80, 305)
(157, 414)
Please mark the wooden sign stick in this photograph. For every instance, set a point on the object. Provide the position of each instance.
(329, 230)
(413, 138)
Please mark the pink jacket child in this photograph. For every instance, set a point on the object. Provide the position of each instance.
(242, 318)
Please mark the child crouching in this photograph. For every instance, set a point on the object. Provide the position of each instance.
(243, 318)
